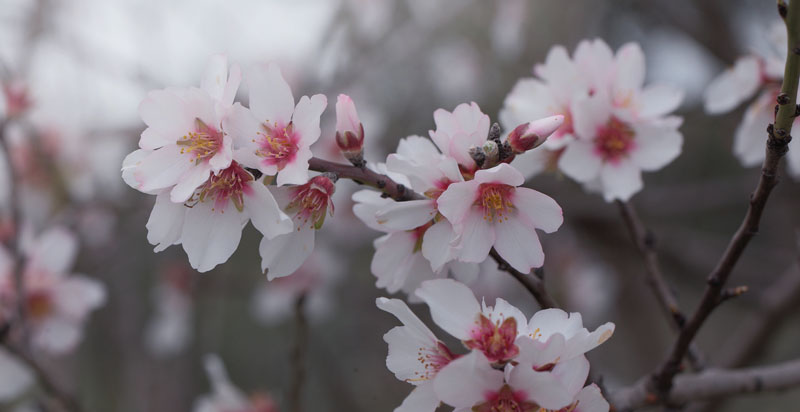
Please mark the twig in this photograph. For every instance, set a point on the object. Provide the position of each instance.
(777, 142)
(713, 383)
(668, 303)
(365, 176)
(298, 357)
(532, 283)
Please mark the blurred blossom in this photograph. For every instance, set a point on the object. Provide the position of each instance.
(170, 328)
(507, 32)
(225, 397)
(317, 279)
(57, 304)
(16, 98)
(15, 377)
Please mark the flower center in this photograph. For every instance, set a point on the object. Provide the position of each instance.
(278, 144)
(310, 202)
(495, 340)
(433, 359)
(507, 401)
(495, 200)
(202, 143)
(614, 140)
(39, 304)
(230, 184)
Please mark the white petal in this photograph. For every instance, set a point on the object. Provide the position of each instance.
(630, 69)
(590, 399)
(539, 353)
(580, 162)
(162, 168)
(407, 215)
(539, 209)
(659, 100)
(211, 236)
(621, 180)
(503, 310)
(547, 389)
(78, 295)
(436, 244)
(392, 260)
(271, 98)
(165, 225)
(750, 140)
(403, 313)
(466, 381)
(296, 172)
(129, 166)
(421, 399)
(476, 238)
(733, 86)
(502, 173)
(453, 306)
(168, 115)
(284, 254)
(264, 212)
(656, 146)
(590, 113)
(189, 181)
(216, 76)
(306, 118)
(15, 377)
(367, 204)
(57, 335)
(456, 202)
(54, 250)
(518, 244)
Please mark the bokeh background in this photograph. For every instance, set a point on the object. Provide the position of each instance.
(88, 63)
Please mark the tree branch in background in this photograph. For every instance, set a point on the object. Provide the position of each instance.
(645, 243)
(298, 356)
(58, 400)
(778, 139)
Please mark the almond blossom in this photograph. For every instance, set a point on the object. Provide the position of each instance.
(307, 204)
(492, 211)
(458, 131)
(225, 397)
(56, 304)
(758, 74)
(209, 224)
(184, 142)
(273, 135)
(349, 131)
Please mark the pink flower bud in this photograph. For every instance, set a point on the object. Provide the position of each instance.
(531, 135)
(349, 130)
(17, 98)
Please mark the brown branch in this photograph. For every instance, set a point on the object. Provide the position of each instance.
(712, 384)
(531, 282)
(777, 142)
(365, 176)
(645, 243)
(298, 356)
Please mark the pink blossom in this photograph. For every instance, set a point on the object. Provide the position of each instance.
(460, 130)
(492, 211)
(349, 130)
(531, 135)
(273, 135)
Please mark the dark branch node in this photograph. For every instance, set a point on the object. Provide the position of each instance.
(494, 133)
(401, 189)
(381, 184)
(783, 98)
(782, 9)
(255, 172)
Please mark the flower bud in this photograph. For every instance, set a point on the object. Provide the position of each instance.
(349, 131)
(531, 135)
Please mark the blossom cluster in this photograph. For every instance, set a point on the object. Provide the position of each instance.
(513, 364)
(615, 126)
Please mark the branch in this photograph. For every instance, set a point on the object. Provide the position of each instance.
(298, 355)
(777, 142)
(362, 175)
(645, 242)
(531, 282)
(711, 384)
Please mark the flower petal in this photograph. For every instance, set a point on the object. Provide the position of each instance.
(264, 212)
(284, 254)
(211, 236)
(466, 381)
(165, 225)
(453, 306)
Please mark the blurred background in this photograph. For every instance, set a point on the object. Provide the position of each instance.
(87, 64)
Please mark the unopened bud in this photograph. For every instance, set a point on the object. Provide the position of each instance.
(349, 131)
(531, 135)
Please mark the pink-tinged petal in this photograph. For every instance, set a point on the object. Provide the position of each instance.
(211, 236)
(421, 399)
(467, 381)
(306, 118)
(199, 105)
(54, 250)
(367, 204)
(455, 202)
(284, 254)
(165, 225)
(630, 69)
(76, 296)
(390, 263)
(538, 209)
(296, 172)
(15, 377)
(189, 181)
(503, 310)
(346, 115)
(215, 76)
(733, 86)
(656, 146)
(436, 244)
(153, 138)
(518, 244)
(57, 335)
(222, 159)
(167, 114)
(589, 114)
(265, 213)
(407, 215)
(161, 168)
(659, 100)
(621, 180)
(540, 353)
(130, 165)
(580, 161)
(453, 306)
(271, 98)
(590, 399)
(502, 173)
(750, 138)
(476, 238)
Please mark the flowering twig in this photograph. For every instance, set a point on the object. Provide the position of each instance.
(713, 383)
(645, 242)
(298, 355)
(778, 139)
(365, 176)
